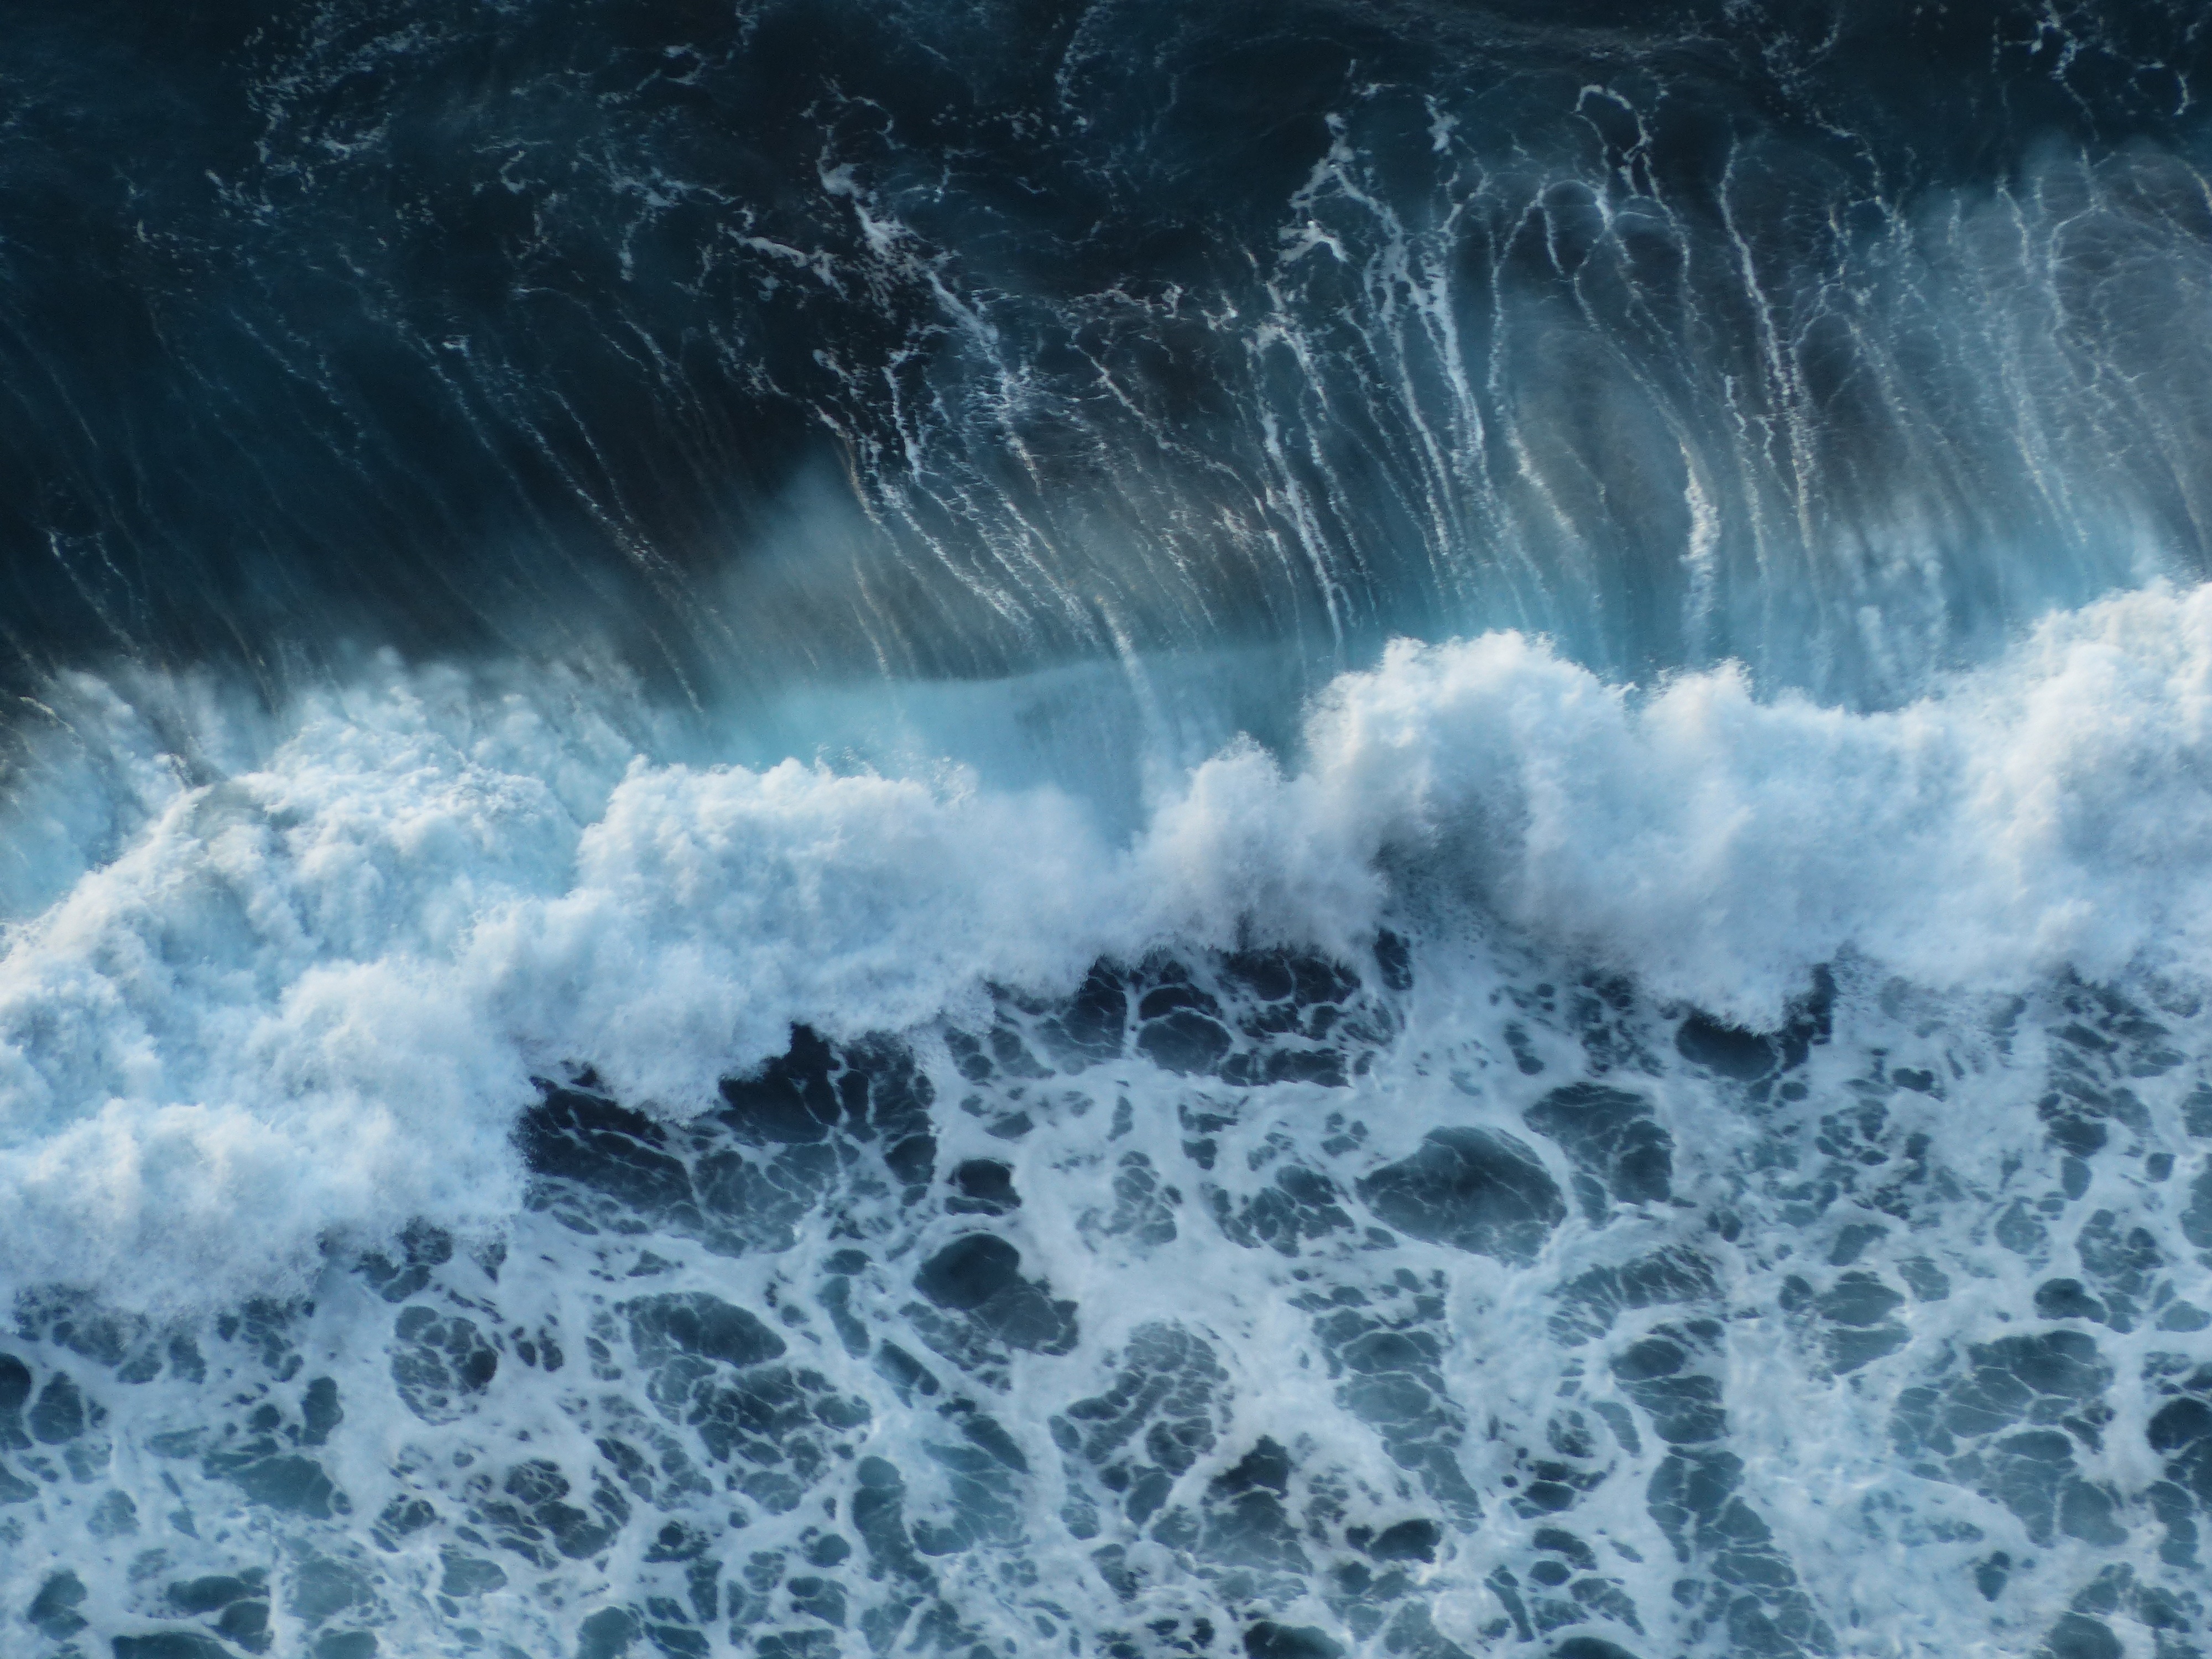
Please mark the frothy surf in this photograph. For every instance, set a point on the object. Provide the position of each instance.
(413, 894)
(1546, 1163)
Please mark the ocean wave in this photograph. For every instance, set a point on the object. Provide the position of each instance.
(416, 893)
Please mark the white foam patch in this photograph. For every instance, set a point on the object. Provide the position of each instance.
(2049, 810)
(308, 997)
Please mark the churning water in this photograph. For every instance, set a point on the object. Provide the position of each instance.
(1338, 827)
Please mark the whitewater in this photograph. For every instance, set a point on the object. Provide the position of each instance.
(1362, 1195)
(408, 897)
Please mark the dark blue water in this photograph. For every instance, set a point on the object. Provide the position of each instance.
(747, 341)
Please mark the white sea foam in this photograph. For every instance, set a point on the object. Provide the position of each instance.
(299, 986)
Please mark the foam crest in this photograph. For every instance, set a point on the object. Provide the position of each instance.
(2047, 811)
(306, 997)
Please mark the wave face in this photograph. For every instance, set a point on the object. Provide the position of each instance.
(1306, 830)
(760, 341)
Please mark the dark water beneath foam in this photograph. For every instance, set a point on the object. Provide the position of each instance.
(1204, 1312)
